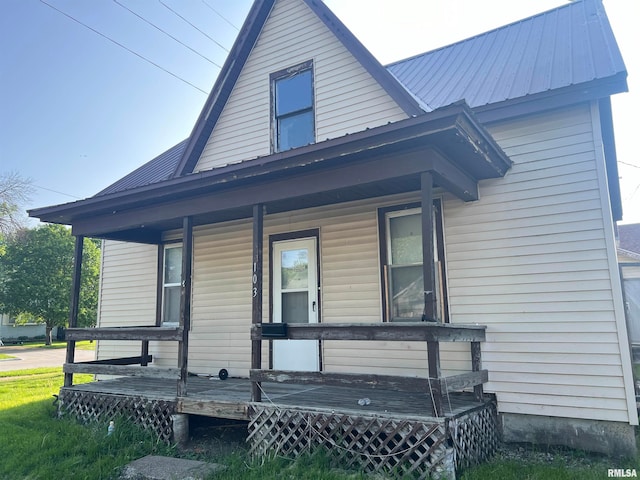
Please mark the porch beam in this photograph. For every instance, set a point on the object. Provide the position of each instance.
(454, 180)
(396, 331)
(74, 305)
(256, 295)
(185, 304)
(123, 370)
(125, 333)
(264, 189)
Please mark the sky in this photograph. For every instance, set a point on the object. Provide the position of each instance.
(92, 89)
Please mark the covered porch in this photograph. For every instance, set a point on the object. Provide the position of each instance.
(446, 150)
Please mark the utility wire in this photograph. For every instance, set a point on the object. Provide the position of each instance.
(56, 191)
(187, 21)
(123, 46)
(220, 15)
(166, 33)
(628, 164)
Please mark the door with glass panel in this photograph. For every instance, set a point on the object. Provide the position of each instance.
(295, 300)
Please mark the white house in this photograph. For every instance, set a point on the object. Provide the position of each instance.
(300, 197)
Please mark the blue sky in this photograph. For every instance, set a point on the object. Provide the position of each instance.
(77, 111)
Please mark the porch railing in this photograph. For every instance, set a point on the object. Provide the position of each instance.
(435, 385)
(127, 366)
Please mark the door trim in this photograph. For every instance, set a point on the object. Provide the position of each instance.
(297, 235)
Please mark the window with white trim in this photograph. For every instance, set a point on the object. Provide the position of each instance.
(171, 284)
(402, 270)
(293, 121)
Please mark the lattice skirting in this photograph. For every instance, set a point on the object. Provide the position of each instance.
(475, 435)
(154, 415)
(394, 446)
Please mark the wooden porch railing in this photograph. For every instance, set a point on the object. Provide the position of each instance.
(430, 333)
(124, 366)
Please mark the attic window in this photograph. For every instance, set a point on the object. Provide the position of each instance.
(293, 122)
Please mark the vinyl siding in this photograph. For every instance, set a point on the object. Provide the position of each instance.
(530, 260)
(127, 293)
(347, 98)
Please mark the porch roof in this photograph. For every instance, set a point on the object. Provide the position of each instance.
(449, 142)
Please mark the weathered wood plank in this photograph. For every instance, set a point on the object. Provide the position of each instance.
(385, 382)
(476, 366)
(125, 333)
(408, 332)
(217, 408)
(185, 303)
(140, 360)
(164, 373)
(456, 383)
(389, 382)
(256, 294)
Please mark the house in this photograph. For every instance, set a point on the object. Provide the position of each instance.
(629, 259)
(11, 332)
(467, 194)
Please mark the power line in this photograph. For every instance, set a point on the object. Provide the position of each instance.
(56, 191)
(123, 46)
(187, 21)
(166, 33)
(628, 164)
(220, 15)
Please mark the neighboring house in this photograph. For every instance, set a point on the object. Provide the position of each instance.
(11, 332)
(629, 260)
(304, 182)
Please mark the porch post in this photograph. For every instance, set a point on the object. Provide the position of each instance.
(185, 303)
(73, 307)
(256, 295)
(433, 348)
(426, 182)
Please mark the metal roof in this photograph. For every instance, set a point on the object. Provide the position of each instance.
(566, 46)
(156, 170)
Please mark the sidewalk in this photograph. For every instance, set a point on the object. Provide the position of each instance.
(28, 356)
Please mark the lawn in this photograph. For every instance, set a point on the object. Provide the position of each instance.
(42, 446)
(4, 356)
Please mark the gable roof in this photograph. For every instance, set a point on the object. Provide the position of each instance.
(570, 50)
(241, 50)
(567, 46)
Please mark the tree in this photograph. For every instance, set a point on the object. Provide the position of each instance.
(35, 277)
(14, 192)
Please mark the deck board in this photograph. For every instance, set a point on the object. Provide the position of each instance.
(231, 398)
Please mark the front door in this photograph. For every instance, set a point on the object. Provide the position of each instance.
(295, 300)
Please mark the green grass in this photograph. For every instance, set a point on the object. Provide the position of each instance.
(42, 446)
(4, 356)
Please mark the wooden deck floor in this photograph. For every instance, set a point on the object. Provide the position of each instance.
(231, 398)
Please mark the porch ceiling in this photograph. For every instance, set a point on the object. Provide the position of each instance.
(448, 142)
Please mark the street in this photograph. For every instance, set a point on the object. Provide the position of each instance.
(30, 357)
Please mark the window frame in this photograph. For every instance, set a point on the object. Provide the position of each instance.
(274, 118)
(384, 240)
(162, 285)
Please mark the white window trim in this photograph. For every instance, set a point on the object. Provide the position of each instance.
(166, 285)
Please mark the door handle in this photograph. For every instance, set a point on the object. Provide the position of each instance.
(313, 305)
